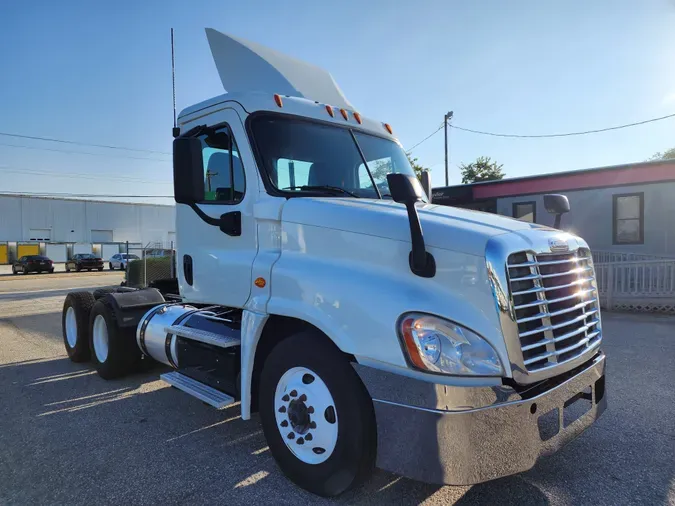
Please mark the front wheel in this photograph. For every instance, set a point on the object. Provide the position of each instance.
(24, 271)
(317, 416)
(111, 266)
(13, 270)
(78, 268)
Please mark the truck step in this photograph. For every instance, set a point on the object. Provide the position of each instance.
(203, 336)
(203, 392)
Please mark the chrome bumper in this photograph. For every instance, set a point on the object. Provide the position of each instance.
(468, 446)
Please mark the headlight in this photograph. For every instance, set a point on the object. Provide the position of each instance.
(438, 345)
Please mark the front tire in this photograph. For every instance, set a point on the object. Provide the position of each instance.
(317, 416)
(13, 270)
(75, 325)
(24, 271)
(114, 349)
(110, 265)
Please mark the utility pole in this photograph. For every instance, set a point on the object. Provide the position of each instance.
(446, 118)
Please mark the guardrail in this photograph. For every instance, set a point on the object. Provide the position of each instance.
(638, 285)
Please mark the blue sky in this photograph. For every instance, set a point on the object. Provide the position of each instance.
(100, 73)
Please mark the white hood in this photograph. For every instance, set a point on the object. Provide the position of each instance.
(246, 66)
(444, 227)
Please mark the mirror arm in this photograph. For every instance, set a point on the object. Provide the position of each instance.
(422, 263)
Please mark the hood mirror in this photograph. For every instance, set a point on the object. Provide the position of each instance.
(407, 190)
(557, 205)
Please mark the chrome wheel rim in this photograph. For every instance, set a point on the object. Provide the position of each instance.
(100, 340)
(306, 415)
(71, 327)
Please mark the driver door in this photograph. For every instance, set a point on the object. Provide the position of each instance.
(215, 263)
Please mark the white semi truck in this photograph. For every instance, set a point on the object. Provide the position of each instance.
(318, 287)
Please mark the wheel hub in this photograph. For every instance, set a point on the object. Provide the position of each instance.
(298, 416)
(306, 416)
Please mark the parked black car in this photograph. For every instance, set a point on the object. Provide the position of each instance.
(32, 263)
(82, 261)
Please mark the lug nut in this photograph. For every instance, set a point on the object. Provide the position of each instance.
(291, 435)
(312, 425)
(302, 398)
(285, 398)
(310, 410)
(282, 409)
(309, 437)
(284, 423)
(294, 393)
(300, 441)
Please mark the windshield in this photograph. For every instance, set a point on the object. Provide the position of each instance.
(301, 156)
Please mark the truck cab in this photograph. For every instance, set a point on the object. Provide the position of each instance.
(319, 287)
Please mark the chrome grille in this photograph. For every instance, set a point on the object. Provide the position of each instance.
(556, 306)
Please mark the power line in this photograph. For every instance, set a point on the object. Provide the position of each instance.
(541, 136)
(106, 155)
(83, 195)
(569, 134)
(81, 176)
(105, 146)
(427, 137)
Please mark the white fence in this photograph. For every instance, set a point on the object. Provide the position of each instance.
(637, 285)
(603, 257)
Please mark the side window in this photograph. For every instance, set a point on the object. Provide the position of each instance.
(292, 173)
(224, 179)
(525, 211)
(629, 218)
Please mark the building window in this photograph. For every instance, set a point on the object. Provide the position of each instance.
(629, 218)
(525, 211)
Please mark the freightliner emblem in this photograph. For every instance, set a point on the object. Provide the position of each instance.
(558, 245)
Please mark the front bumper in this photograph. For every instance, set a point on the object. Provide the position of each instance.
(504, 437)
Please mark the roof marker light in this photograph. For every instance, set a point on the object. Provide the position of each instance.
(330, 111)
(388, 127)
(357, 116)
(344, 114)
(277, 99)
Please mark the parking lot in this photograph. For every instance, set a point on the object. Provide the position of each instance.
(68, 437)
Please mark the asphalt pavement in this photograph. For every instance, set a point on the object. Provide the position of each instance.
(69, 437)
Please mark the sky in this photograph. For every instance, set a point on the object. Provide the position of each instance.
(100, 73)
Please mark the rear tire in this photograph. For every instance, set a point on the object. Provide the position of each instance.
(78, 268)
(75, 325)
(113, 349)
(344, 429)
(100, 269)
(24, 271)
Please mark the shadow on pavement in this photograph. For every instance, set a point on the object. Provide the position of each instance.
(67, 436)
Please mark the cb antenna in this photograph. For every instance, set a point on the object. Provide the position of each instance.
(176, 130)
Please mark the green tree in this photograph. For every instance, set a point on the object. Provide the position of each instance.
(483, 169)
(417, 167)
(667, 155)
(381, 168)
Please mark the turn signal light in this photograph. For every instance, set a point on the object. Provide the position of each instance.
(330, 111)
(388, 127)
(260, 282)
(277, 99)
(344, 114)
(357, 116)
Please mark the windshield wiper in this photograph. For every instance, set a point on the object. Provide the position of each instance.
(321, 187)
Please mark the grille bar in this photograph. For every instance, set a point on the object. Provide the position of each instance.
(559, 287)
(559, 325)
(556, 306)
(557, 313)
(561, 338)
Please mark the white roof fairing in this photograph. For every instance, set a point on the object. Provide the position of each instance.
(246, 66)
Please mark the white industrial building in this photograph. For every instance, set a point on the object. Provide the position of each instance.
(82, 224)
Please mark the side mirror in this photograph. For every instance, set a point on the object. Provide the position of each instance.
(404, 188)
(408, 190)
(188, 170)
(556, 205)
